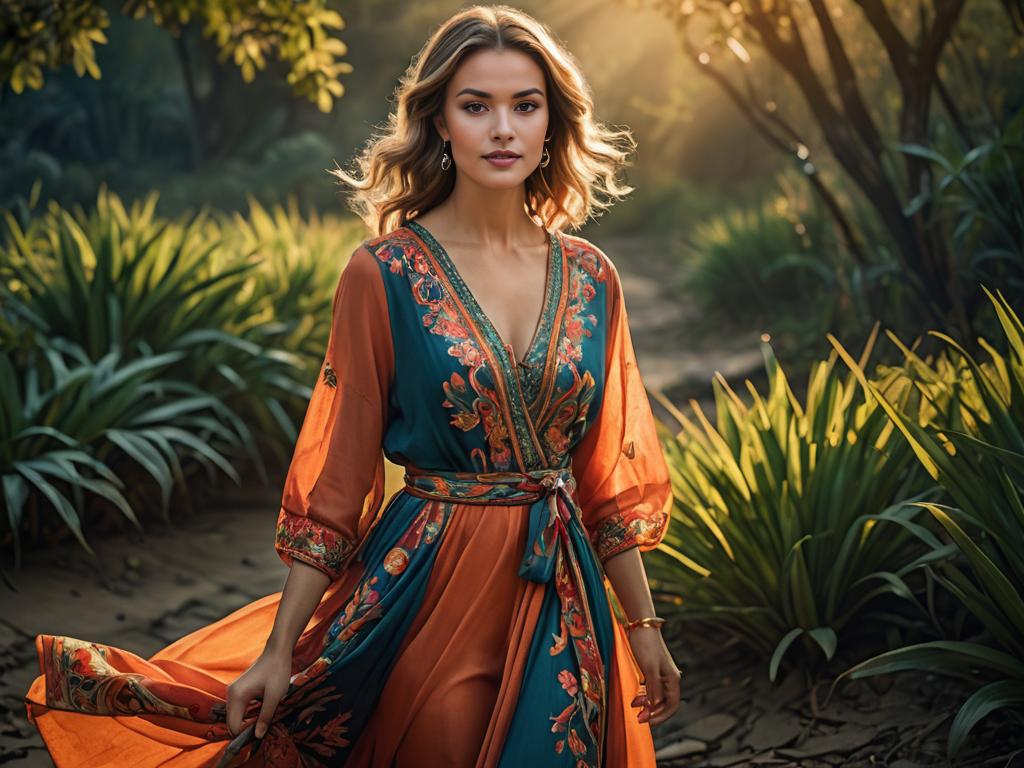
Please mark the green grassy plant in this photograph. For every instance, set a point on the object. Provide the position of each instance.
(972, 445)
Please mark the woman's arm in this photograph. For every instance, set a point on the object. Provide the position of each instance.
(303, 590)
(627, 575)
(269, 676)
(629, 580)
(335, 481)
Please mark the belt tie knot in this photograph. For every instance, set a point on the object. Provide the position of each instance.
(547, 491)
(552, 481)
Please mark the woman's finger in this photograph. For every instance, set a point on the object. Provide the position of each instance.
(238, 697)
(670, 681)
(655, 690)
(270, 702)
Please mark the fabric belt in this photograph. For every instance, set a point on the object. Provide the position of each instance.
(548, 491)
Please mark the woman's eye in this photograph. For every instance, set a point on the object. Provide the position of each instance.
(470, 106)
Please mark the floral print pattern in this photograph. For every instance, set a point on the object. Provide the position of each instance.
(473, 398)
(305, 539)
(624, 530)
(80, 678)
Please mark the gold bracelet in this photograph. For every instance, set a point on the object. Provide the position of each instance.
(646, 621)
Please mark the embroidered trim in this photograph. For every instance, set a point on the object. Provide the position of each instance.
(80, 678)
(565, 419)
(623, 530)
(479, 403)
(582, 720)
(518, 405)
(311, 542)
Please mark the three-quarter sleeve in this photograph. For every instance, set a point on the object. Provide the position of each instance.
(335, 482)
(622, 478)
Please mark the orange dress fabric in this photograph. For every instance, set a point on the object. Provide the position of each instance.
(414, 371)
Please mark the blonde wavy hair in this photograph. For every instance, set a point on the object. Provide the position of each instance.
(399, 174)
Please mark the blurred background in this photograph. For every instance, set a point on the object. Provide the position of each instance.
(823, 264)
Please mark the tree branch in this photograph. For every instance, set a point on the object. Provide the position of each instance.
(760, 117)
(900, 53)
(946, 14)
(846, 80)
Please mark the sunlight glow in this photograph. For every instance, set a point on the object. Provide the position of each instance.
(738, 50)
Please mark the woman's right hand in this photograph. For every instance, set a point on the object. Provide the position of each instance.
(267, 680)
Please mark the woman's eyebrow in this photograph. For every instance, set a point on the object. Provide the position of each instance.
(486, 95)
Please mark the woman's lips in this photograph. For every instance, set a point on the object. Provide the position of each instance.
(501, 161)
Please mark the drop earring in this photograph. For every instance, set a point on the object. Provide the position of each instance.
(545, 157)
(446, 161)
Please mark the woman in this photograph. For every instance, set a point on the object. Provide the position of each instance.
(466, 622)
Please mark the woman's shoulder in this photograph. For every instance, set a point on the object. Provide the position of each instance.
(385, 252)
(590, 257)
(400, 233)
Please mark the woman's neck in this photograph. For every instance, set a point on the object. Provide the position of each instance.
(494, 219)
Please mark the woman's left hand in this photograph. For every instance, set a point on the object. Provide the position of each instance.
(661, 676)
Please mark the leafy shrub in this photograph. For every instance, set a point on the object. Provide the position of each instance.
(972, 444)
(789, 518)
(134, 342)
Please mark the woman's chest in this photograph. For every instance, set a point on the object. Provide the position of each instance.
(455, 374)
(511, 290)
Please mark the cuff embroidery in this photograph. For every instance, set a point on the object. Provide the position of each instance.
(624, 530)
(312, 542)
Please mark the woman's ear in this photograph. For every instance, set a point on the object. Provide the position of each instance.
(440, 127)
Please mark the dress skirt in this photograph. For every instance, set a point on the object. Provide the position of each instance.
(448, 700)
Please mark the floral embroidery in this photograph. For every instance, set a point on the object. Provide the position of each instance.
(364, 606)
(299, 736)
(569, 408)
(303, 538)
(330, 377)
(396, 561)
(313, 671)
(479, 403)
(586, 267)
(584, 715)
(623, 530)
(569, 417)
(80, 679)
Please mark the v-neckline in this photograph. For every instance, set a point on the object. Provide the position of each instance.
(478, 311)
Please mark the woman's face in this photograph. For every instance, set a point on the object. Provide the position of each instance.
(495, 101)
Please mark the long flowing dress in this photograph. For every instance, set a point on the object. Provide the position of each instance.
(468, 621)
